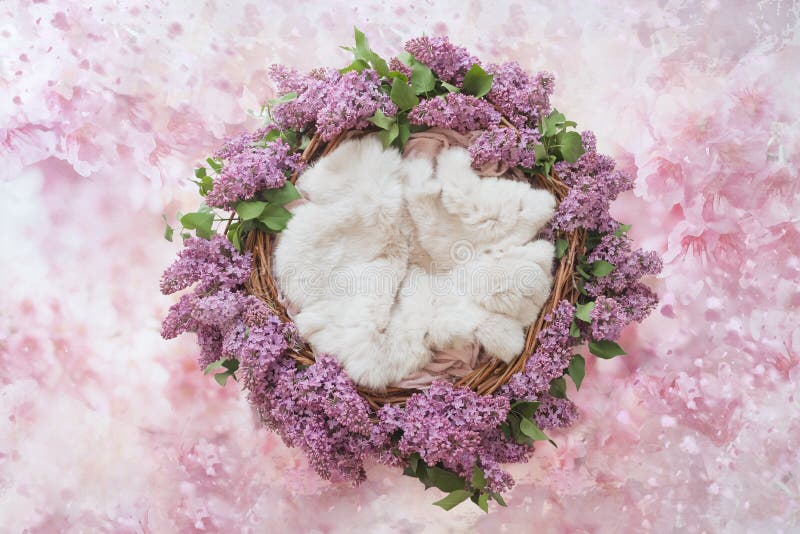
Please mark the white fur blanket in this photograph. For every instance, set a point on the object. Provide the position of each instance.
(391, 259)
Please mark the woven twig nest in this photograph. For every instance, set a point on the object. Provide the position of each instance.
(487, 377)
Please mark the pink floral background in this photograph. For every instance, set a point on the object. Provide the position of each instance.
(106, 106)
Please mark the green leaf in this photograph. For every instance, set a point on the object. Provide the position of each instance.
(168, 231)
(574, 331)
(605, 349)
(403, 95)
(483, 502)
(422, 78)
(362, 46)
(214, 164)
(235, 236)
(571, 147)
(532, 430)
(221, 378)
(561, 247)
(622, 229)
(454, 499)
(583, 311)
(477, 82)
(478, 480)
(379, 64)
(404, 130)
(288, 97)
(558, 388)
(450, 87)
(577, 370)
(382, 121)
(525, 408)
(282, 195)
(275, 217)
(250, 209)
(405, 58)
(602, 268)
(213, 366)
(200, 221)
(200, 172)
(272, 135)
(231, 364)
(413, 461)
(357, 65)
(445, 480)
(499, 498)
(388, 136)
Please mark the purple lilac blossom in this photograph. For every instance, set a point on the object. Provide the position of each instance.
(552, 355)
(593, 184)
(449, 62)
(330, 101)
(446, 424)
(520, 97)
(608, 318)
(457, 111)
(319, 410)
(249, 168)
(211, 262)
(506, 147)
(555, 413)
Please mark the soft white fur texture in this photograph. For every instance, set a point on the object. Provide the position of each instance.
(390, 260)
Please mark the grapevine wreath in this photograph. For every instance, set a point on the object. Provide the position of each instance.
(452, 433)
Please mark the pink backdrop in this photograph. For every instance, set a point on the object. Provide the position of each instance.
(105, 109)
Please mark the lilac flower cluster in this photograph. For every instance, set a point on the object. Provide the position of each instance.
(551, 357)
(250, 166)
(449, 62)
(456, 428)
(505, 147)
(328, 100)
(520, 97)
(457, 111)
(621, 297)
(211, 263)
(555, 413)
(319, 410)
(594, 184)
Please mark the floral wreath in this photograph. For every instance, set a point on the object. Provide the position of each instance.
(449, 436)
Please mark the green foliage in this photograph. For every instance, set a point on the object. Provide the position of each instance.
(403, 95)
(453, 499)
(558, 144)
(605, 349)
(477, 82)
(558, 388)
(520, 426)
(622, 229)
(204, 182)
(249, 209)
(455, 486)
(577, 370)
(574, 329)
(561, 248)
(230, 366)
(422, 79)
(274, 217)
(199, 221)
(168, 231)
(282, 195)
(583, 311)
(602, 268)
(364, 56)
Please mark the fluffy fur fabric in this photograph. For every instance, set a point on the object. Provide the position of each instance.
(391, 259)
